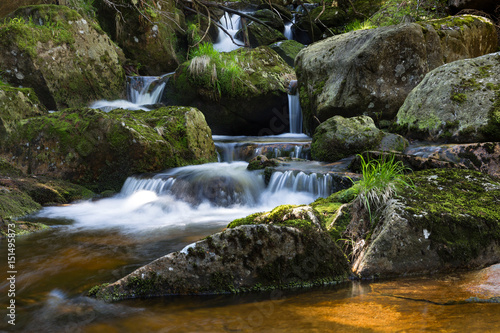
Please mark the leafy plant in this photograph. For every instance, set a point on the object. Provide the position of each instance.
(359, 25)
(381, 179)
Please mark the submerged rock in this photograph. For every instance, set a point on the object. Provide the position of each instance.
(451, 221)
(243, 92)
(340, 137)
(61, 55)
(100, 150)
(458, 102)
(372, 71)
(244, 258)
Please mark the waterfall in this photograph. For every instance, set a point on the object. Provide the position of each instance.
(318, 185)
(144, 90)
(288, 30)
(232, 23)
(294, 110)
(141, 90)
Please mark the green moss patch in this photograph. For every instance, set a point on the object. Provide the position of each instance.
(460, 210)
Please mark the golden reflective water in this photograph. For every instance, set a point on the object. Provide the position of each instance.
(56, 267)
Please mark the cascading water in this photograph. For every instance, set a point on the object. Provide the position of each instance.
(288, 28)
(318, 185)
(294, 109)
(141, 90)
(231, 23)
(144, 90)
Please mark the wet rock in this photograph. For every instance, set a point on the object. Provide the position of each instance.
(484, 157)
(459, 102)
(261, 162)
(340, 137)
(99, 150)
(449, 222)
(62, 56)
(244, 258)
(251, 101)
(372, 71)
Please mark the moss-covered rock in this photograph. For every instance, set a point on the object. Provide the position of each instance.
(151, 33)
(458, 102)
(17, 104)
(340, 137)
(288, 50)
(451, 221)
(242, 92)
(372, 71)
(99, 150)
(10, 228)
(245, 258)
(59, 54)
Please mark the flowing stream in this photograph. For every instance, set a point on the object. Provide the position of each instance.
(98, 241)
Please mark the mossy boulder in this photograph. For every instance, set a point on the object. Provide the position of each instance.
(17, 104)
(288, 50)
(451, 221)
(151, 33)
(243, 92)
(372, 71)
(459, 102)
(61, 55)
(259, 34)
(240, 259)
(100, 150)
(340, 137)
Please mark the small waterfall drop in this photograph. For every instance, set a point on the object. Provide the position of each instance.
(318, 185)
(232, 23)
(294, 110)
(288, 28)
(141, 91)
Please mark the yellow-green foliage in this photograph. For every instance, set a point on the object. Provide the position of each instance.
(220, 72)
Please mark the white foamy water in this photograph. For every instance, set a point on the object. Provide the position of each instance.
(213, 194)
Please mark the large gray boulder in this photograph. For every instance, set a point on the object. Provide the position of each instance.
(450, 222)
(340, 137)
(372, 71)
(459, 102)
(61, 55)
(239, 259)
